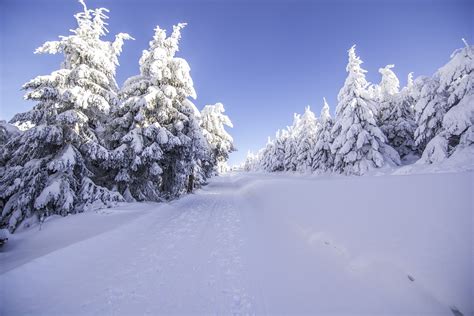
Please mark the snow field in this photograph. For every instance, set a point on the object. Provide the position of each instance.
(260, 244)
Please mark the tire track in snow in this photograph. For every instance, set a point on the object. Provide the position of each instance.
(155, 250)
(193, 263)
(230, 242)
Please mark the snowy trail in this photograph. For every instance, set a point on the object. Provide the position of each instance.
(255, 244)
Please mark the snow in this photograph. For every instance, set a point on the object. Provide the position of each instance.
(257, 244)
(460, 161)
(51, 192)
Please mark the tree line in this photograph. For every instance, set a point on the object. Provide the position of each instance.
(379, 125)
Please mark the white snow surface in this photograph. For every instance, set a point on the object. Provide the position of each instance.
(257, 244)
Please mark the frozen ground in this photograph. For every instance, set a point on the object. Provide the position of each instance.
(257, 244)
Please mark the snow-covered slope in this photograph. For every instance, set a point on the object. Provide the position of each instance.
(258, 244)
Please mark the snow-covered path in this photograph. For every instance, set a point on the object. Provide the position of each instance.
(258, 244)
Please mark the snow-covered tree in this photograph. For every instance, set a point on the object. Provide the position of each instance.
(280, 146)
(323, 159)
(396, 115)
(290, 158)
(305, 140)
(266, 161)
(7, 132)
(359, 144)
(386, 91)
(156, 135)
(252, 162)
(389, 84)
(383, 93)
(429, 110)
(446, 117)
(213, 122)
(54, 166)
(410, 82)
(274, 152)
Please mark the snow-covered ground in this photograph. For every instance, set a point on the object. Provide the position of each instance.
(257, 244)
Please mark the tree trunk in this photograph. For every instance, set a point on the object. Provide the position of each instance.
(190, 183)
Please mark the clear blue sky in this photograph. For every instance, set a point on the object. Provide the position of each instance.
(264, 60)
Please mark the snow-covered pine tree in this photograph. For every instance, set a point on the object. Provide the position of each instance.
(213, 122)
(290, 159)
(305, 140)
(279, 155)
(274, 152)
(7, 132)
(323, 159)
(156, 135)
(267, 158)
(389, 84)
(359, 144)
(410, 83)
(445, 120)
(396, 116)
(203, 162)
(252, 162)
(53, 167)
(429, 110)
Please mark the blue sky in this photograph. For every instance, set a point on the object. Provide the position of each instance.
(264, 60)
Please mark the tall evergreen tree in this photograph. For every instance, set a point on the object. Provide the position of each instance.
(445, 122)
(359, 144)
(429, 110)
(267, 157)
(389, 84)
(290, 158)
(54, 166)
(396, 116)
(386, 92)
(7, 133)
(156, 133)
(252, 162)
(323, 159)
(305, 140)
(279, 154)
(213, 122)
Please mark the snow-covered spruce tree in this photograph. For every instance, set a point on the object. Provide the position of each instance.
(53, 167)
(389, 84)
(290, 158)
(267, 158)
(156, 135)
(7, 133)
(323, 159)
(429, 110)
(396, 116)
(359, 144)
(452, 126)
(305, 140)
(213, 122)
(279, 150)
(252, 162)
(274, 152)
(203, 162)
(382, 93)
